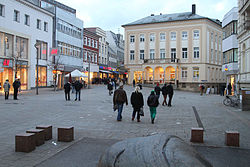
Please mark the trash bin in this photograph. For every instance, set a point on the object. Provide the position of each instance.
(245, 99)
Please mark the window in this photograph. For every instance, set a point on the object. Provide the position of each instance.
(184, 72)
(152, 37)
(215, 56)
(132, 54)
(141, 54)
(26, 19)
(2, 8)
(85, 40)
(184, 53)
(212, 37)
(38, 24)
(142, 39)
(173, 36)
(93, 43)
(46, 26)
(162, 36)
(96, 44)
(162, 53)
(196, 34)
(132, 38)
(196, 72)
(42, 50)
(22, 47)
(16, 16)
(6, 45)
(215, 39)
(212, 55)
(88, 41)
(152, 53)
(184, 35)
(196, 52)
(230, 56)
(173, 54)
(230, 29)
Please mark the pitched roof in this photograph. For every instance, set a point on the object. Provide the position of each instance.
(169, 18)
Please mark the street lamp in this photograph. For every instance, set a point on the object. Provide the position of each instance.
(36, 46)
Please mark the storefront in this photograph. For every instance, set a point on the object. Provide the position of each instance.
(42, 76)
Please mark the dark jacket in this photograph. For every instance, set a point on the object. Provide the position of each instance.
(78, 86)
(164, 90)
(137, 100)
(153, 100)
(110, 86)
(157, 90)
(170, 89)
(16, 84)
(120, 97)
(67, 87)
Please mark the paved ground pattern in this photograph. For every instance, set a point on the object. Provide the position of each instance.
(93, 118)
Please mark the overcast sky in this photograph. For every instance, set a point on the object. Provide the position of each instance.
(111, 14)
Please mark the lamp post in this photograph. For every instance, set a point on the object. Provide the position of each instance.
(36, 46)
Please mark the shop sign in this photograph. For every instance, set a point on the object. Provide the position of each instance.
(5, 63)
(1, 69)
(54, 51)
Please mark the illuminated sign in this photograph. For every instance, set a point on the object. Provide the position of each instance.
(54, 51)
(6, 62)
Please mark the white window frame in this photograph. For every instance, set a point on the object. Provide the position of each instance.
(162, 36)
(196, 34)
(196, 52)
(2, 10)
(212, 55)
(162, 53)
(142, 54)
(152, 37)
(173, 54)
(132, 55)
(26, 20)
(142, 38)
(16, 16)
(184, 72)
(85, 40)
(45, 26)
(196, 71)
(173, 36)
(132, 39)
(184, 53)
(184, 35)
(152, 54)
(38, 24)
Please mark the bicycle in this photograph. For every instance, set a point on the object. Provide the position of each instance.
(233, 101)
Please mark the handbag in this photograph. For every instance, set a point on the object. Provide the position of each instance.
(141, 112)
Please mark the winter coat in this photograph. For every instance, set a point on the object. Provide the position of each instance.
(137, 100)
(110, 86)
(157, 90)
(6, 86)
(16, 84)
(67, 87)
(78, 86)
(164, 90)
(170, 90)
(153, 100)
(120, 96)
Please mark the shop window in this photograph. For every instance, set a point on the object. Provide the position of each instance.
(42, 76)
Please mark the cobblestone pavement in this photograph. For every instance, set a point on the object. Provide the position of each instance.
(93, 118)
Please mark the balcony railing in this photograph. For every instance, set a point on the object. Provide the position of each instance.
(161, 61)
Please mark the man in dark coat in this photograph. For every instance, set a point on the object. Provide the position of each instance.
(157, 90)
(152, 102)
(229, 88)
(16, 85)
(170, 91)
(119, 98)
(67, 87)
(165, 94)
(78, 87)
(110, 88)
(137, 103)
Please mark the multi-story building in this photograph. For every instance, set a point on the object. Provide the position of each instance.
(230, 48)
(23, 26)
(183, 48)
(244, 43)
(91, 53)
(67, 37)
(103, 51)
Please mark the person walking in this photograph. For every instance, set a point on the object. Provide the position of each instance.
(110, 88)
(157, 90)
(119, 98)
(78, 87)
(133, 83)
(152, 102)
(165, 94)
(6, 88)
(170, 91)
(16, 85)
(67, 87)
(202, 87)
(229, 88)
(137, 103)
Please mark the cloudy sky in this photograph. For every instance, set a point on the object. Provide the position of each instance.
(111, 14)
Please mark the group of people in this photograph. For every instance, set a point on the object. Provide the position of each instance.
(76, 88)
(16, 85)
(137, 101)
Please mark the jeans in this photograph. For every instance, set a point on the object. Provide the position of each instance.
(119, 116)
(170, 100)
(67, 95)
(165, 100)
(78, 92)
(6, 95)
(136, 111)
(15, 93)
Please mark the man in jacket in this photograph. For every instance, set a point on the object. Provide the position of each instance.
(119, 98)
(170, 91)
(16, 85)
(137, 103)
(78, 87)
(157, 90)
(67, 90)
(110, 88)
(6, 87)
(152, 102)
(165, 94)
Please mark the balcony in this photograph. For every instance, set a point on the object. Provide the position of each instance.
(161, 61)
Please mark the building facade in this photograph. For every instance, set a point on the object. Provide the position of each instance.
(91, 53)
(182, 48)
(244, 43)
(230, 48)
(22, 26)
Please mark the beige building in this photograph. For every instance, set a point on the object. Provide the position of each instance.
(244, 43)
(182, 48)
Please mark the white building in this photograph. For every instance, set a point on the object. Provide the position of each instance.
(230, 48)
(22, 25)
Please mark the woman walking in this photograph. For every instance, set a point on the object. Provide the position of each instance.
(6, 87)
(152, 103)
(137, 103)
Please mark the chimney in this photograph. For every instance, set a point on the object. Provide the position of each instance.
(193, 9)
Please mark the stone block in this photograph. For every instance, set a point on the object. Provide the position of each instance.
(65, 134)
(232, 138)
(39, 135)
(197, 135)
(25, 142)
(47, 131)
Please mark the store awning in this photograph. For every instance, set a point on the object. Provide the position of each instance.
(105, 71)
(115, 72)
